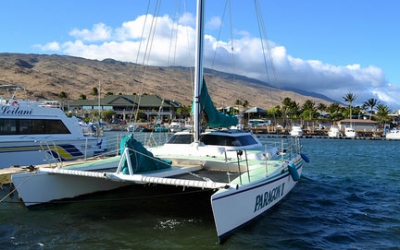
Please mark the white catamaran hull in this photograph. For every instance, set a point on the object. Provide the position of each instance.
(233, 208)
(42, 187)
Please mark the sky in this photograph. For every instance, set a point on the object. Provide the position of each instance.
(329, 47)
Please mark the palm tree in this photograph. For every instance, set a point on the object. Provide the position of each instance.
(371, 103)
(350, 98)
(245, 104)
(310, 107)
(322, 107)
(333, 109)
(290, 108)
(383, 113)
(184, 110)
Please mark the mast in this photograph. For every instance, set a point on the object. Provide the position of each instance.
(99, 98)
(198, 77)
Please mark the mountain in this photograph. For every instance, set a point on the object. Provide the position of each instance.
(45, 76)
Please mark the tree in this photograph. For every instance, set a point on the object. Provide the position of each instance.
(63, 95)
(107, 115)
(275, 112)
(334, 111)
(322, 107)
(290, 108)
(309, 106)
(184, 111)
(95, 91)
(371, 104)
(82, 97)
(333, 108)
(382, 113)
(350, 98)
(245, 104)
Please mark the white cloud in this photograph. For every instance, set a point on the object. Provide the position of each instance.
(99, 32)
(214, 23)
(53, 46)
(123, 43)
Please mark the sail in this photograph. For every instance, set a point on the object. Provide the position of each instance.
(214, 117)
(142, 160)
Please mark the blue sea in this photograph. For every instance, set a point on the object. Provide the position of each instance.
(348, 198)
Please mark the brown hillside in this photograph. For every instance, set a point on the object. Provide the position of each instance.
(45, 76)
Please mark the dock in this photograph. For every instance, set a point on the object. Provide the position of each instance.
(317, 134)
(5, 174)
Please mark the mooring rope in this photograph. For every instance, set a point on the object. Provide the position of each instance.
(15, 188)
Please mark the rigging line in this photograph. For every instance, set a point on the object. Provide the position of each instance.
(152, 33)
(191, 69)
(137, 59)
(261, 41)
(175, 38)
(16, 188)
(261, 26)
(262, 30)
(174, 33)
(219, 34)
(232, 46)
(147, 50)
(138, 52)
(142, 34)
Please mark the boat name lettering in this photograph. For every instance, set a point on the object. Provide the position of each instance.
(268, 197)
(6, 110)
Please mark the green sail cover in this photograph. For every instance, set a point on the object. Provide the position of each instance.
(142, 160)
(215, 118)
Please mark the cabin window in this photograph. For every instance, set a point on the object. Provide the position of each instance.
(220, 140)
(181, 139)
(214, 140)
(32, 126)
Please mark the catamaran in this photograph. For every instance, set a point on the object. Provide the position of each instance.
(246, 177)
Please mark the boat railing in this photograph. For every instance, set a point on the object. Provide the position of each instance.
(150, 140)
(51, 158)
(55, 156)
(286, 146)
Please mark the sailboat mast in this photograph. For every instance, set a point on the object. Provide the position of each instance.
(99, 98)
(198, 77)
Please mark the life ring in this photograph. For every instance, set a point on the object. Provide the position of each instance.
(15, 103)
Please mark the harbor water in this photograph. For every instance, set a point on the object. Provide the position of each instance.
(348, 198)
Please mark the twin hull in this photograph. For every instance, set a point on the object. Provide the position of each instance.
(233, 208)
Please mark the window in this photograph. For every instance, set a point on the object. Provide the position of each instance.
(220, 140)
(32, 126)
(181, 139)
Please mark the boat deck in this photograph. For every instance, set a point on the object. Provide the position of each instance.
(191, 169)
